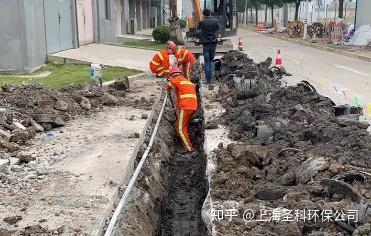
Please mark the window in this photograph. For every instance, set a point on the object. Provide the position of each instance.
(107, 5)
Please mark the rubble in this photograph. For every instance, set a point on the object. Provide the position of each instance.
(290, 143)
(33, 108)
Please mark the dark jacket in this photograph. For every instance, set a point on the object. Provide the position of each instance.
(209, 30)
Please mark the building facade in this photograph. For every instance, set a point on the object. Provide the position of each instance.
(363, 16)
(31, 29)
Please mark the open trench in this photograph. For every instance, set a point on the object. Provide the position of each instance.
(168, 196)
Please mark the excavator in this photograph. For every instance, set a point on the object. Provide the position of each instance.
(225, 12)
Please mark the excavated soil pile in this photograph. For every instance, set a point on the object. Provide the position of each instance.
(28, 109)
(300, 165)
(168, 196)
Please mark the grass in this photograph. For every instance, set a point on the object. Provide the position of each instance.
(145, 44)
(63, 75)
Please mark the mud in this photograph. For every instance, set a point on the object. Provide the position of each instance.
(289, 146)
(168, 196)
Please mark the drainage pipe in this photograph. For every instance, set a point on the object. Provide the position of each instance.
(125, 196)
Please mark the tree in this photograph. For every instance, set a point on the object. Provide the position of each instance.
(297, 6)
(271, 4)
(243, 6)
(341, 8)
(175, 31)
(256, 5)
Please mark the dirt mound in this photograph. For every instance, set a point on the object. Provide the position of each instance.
(297, 158)
(28, 109)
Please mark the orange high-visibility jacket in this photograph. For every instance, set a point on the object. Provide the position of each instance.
(185, 91)
(184, 56)
(160, 63)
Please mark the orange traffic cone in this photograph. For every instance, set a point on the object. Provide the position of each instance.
(278, 59)
(240, 47)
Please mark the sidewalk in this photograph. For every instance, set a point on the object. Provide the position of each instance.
(357, 52)
(110, 55)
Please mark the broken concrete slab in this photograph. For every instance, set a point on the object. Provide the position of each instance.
(343, 121)
(109, 100)
(37, 127)
(61, 105)
(270, 193)
(5, 135)
(85, 103)
(19, 136)
(53, 119)
(25, 157)
(121, 84)
(4, 166)
(310, 168)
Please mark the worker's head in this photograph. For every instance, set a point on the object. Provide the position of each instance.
(171, 47)
(174, 71)
(206, 12)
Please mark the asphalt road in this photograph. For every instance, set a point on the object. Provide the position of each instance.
(345, 80)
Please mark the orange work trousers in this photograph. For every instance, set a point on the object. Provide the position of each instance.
(184, 116)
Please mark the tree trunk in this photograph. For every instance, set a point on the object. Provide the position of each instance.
(272, 14)
(175, 31)
(297, 5)
(245, 20)
(256, 15)
(266, 13)
(251, 15)
(341, 8)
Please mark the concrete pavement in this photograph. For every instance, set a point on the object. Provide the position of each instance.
(345, 80)
(110, 55)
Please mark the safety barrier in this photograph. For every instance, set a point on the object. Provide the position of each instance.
(260, 27)
(125, 196)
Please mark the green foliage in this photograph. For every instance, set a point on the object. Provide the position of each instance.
(62, 75)
(183, 23)
(241, 4)
(161, 34)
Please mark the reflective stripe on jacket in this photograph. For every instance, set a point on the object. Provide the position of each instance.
(184, 56)
(160, 64)
(185, 91)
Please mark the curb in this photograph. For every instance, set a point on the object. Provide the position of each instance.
(135, 47)
(320, 47)
(64, 60)
(107, 83)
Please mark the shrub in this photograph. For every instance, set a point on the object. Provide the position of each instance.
(161, 34)
(183, 23)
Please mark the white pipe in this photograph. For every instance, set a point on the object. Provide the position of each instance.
(125, 196)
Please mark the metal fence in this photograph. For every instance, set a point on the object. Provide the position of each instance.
(315, 14)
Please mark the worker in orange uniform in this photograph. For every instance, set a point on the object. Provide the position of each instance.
(186, 103)
(160, 63)
(186, 59)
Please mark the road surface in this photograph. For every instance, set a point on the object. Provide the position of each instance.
(345, 80)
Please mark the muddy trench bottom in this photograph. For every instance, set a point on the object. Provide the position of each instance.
(187, 188)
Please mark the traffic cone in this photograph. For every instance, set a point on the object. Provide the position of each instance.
(240, 47)
(278, 59)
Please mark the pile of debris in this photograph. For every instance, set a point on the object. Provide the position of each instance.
(29, 109)
(299, 166)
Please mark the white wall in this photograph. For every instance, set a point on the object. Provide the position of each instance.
(363, 16)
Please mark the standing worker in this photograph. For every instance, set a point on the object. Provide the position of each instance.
(186, 103)
(186, 59)
(160, 63)
(209, 38)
